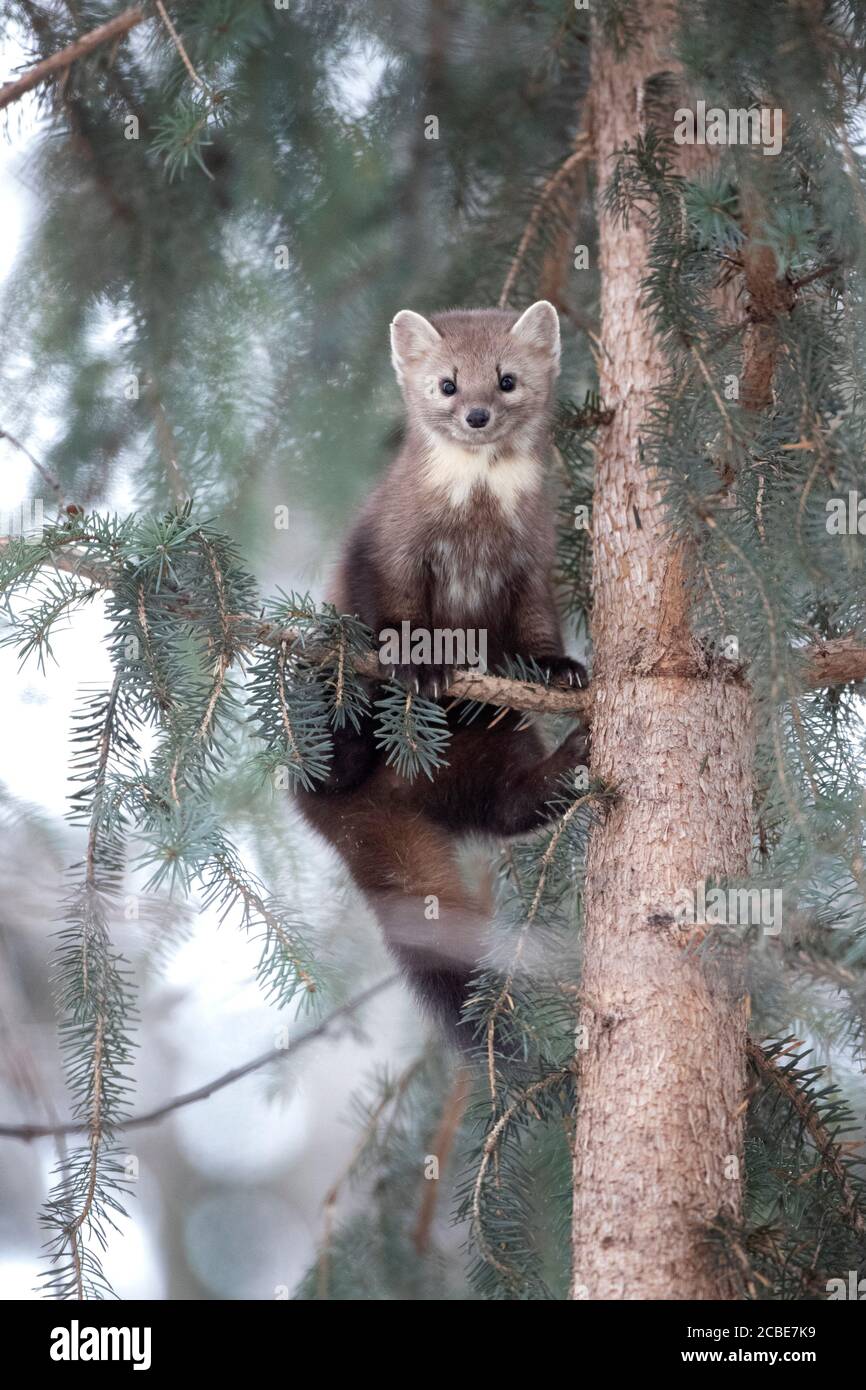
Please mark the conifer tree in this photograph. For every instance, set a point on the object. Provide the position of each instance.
(226, 219)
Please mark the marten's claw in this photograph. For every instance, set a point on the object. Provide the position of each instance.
(429, 681)
(562, 671)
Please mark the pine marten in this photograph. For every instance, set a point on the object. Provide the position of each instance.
(459, 534)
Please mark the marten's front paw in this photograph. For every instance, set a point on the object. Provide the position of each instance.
(562, 671)
(429, 681)
(575, 748)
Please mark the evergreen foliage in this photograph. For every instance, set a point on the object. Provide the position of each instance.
(191, 302)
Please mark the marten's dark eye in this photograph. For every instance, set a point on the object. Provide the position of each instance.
(507, 383)
(447, 386)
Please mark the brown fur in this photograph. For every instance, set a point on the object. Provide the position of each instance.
(414, 555)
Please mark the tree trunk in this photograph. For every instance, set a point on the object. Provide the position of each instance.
(658, 1144)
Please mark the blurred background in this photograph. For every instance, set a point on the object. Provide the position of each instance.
(198, 272)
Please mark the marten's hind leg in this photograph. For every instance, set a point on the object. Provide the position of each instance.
(522, 796)
(501, 781)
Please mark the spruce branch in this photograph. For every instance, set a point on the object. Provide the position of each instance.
(531, 1002)
(283, 966)
(393, 1094)
(794, 1085)
(552, 189)
(503, 999)
(43, 71)
(95, 1001)
(412, 731)
(180, 134)
(834, 662)
(823, 663)
(491, 1147)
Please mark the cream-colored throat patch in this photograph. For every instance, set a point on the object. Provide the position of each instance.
(457, 471)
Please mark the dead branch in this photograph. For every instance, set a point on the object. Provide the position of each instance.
(274, 1054)
(443, 1142)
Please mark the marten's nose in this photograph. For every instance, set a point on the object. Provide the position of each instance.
(477, 417)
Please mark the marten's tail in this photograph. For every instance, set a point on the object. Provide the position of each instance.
(408, 870)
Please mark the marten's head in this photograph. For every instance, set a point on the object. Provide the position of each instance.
(478, 377)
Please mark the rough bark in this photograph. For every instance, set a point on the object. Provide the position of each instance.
(658, 1140)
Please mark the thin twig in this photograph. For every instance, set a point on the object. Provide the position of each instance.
(53, 483)
(814, 275)
(582, 151)
(167, 447)
(60, 62)
(443, 1142)
(254, 902)
(274, 1054)
(178, 43)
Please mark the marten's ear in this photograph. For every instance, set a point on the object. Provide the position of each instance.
(538, 328)
(412, 337)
